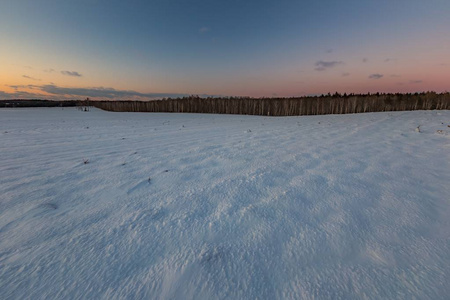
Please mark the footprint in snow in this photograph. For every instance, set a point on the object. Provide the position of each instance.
(139, 186)
(43, 208)
(149, 215)
(211, 255)
(40, 209)
(48, 206)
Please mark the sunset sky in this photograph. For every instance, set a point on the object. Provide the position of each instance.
(61, 49)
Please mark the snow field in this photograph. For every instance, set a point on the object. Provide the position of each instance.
(192, 206)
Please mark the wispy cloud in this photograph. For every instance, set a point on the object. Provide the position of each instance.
(19, 95)
(365, 59)
(16, 87)
(71, 73)
(4, 95)
(49, 70)
(204, 30)
(101, 92)
(54, 92)
(324, 65)
(415, 81)
(345, 74)
(390, 60)
(375, 76)
(31, 78)
(395, 75)
(329, 51)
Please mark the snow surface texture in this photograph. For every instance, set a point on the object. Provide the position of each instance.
(105, 205)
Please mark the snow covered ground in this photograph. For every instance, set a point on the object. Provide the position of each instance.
(192, 206)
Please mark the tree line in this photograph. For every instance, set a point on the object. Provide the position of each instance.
(295, 106)
(36, 103)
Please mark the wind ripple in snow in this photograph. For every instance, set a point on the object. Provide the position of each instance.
(237, 207)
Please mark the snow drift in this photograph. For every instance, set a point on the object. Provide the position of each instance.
(124, 205)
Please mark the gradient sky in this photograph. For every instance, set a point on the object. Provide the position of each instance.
(61, 49)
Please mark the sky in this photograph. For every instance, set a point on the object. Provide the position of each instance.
(62, 49)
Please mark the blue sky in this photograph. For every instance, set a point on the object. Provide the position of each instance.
(255, 48)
